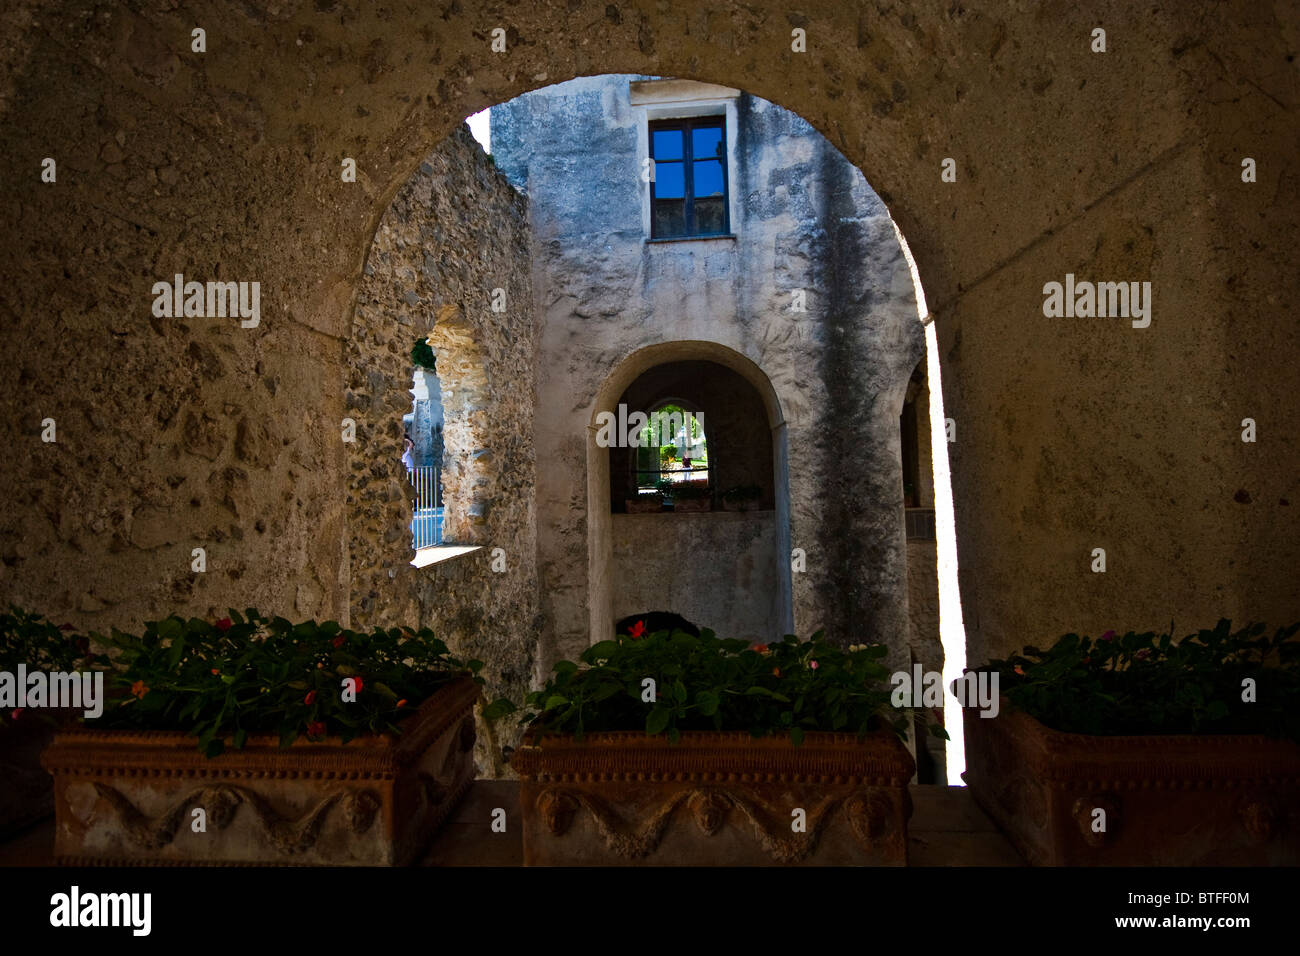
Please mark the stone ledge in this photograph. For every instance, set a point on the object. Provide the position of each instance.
(443, 552)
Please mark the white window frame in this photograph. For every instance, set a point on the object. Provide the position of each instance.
(652, 100)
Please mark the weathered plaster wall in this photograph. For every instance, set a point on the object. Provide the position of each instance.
(710, 568)
(804, 219)
(455, 232)
(1072, 434)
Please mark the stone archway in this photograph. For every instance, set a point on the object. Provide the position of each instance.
(227, 165)
(600, 531)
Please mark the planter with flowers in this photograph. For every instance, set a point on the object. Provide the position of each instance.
(256, 741)
(31, 642)
(645, 504)
(688, 495)
(1137, 750)
(674, 749)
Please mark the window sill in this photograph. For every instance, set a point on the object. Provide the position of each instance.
(442, 552)
(730, 236)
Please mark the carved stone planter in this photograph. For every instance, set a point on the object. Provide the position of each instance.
(692, 505)
(713, 799)
(124, 797)
(1212, 800)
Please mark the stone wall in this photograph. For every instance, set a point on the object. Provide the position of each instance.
(804, 219)
(1071, 434)
(454, 233)
(715, 569)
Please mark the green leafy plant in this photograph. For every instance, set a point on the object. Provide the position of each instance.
(29, 639)
(250, 674)
(422, 355)
(705, 683)
(1146, 683)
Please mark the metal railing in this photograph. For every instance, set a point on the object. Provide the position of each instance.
(426, 525)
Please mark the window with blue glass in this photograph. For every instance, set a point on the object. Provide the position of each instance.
(688, 193)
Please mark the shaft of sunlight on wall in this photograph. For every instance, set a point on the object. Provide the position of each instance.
(480, 126)
(952, 631)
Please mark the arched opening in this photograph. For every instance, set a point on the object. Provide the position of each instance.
(694, 551)
(425, 447)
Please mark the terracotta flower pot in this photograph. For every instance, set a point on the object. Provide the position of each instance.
(1175, 800)
(692, 504)
(123, 796)
(713, 799)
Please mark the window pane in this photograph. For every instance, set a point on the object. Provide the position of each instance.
(708, 178)
(708, 216)
(670, 180)
(706, 142)
(667, 144)
(669, 218)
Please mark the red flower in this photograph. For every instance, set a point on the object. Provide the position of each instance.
(1142, 654)
(316, 729)
(310, 698)
(760, 648)
(338, 641)
(223, 625)
(357, 684)
(776, 671)
(15, 714)
(637, 630)
(215, 672)
(138, 690)
(401, 703)
(1108, 636)
(1019, 671)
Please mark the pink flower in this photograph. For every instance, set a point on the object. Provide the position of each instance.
(14, 715)
(1108, 636)
(812, 664)
(223, 625)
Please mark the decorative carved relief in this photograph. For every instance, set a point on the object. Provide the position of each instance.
(1262, 817)
(557, 809)
(869, 814)
(359, 808)
(710, 808)
(1082, 812)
